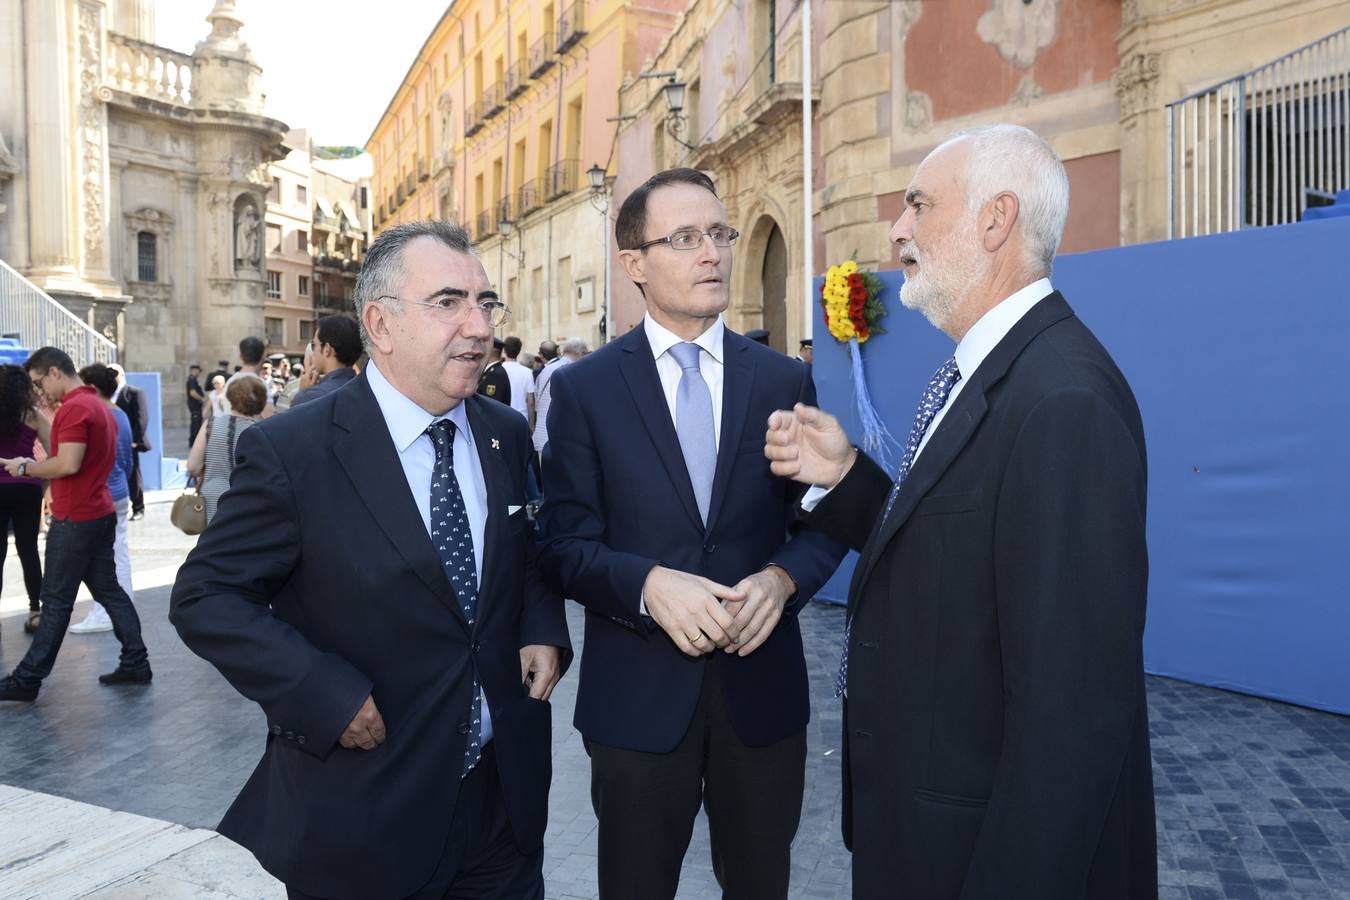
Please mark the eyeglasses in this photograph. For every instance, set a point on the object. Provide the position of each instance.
(692, 238)
(456, 306)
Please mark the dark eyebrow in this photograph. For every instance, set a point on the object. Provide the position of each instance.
(460, 294)
(915, 195)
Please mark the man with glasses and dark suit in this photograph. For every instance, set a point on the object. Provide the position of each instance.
(662, 519)
(369, 581)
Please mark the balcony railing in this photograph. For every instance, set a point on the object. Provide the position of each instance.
(40, 321)
(517, 79)
(563, 178)
(473, 122)
(422, 170)
(542, 54)
(148, 70)
(484, 227)
(494, 99)
(571, 26)
(527, 198)
(1247, 152)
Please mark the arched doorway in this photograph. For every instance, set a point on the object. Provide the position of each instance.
(773, 276)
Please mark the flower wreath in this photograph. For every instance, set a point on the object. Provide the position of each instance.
(853, 311)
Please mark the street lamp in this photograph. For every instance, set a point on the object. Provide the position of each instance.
(602, 188)
(673, 91)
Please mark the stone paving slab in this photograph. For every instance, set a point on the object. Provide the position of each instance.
(1253, 796)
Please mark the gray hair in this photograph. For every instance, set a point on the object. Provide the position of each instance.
(1018, 160)
(382, 269)
(573, 347)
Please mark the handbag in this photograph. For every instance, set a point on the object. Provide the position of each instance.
(189, 512)
(189, 509)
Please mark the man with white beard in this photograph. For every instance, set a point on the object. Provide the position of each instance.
(995, 722)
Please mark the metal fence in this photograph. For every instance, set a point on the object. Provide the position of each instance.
(1252, 150)
(39, 321)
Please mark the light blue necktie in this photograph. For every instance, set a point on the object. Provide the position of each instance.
(453, 538)
(694, 425)
(934, 398)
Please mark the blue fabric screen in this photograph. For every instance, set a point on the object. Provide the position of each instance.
(1235, 346)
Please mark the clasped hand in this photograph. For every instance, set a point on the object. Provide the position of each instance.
(701, 615)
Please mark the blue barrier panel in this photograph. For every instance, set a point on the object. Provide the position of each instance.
(1234, 345)
(148, 382)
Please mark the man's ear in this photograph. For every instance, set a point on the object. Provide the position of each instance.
(634, 264)
(376, 319)
(999, 219)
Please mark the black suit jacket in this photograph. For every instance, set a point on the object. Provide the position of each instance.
(996, 727)
(131, 401)
(618, 502)
(318, 584)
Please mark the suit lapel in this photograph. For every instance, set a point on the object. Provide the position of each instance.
(366, 452)
(496, 479)
(738, 381)
(957, 427)
(639, 371)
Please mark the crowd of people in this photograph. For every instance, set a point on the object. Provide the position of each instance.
(398, 618)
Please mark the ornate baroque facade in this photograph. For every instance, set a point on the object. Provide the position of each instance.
(133, 177)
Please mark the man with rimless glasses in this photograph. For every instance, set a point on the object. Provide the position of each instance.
(378, 598)
(663, 520)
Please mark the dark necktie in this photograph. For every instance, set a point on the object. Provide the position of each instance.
(453, 538)
(934, 398)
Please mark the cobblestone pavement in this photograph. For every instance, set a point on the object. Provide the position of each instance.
(1253, 796)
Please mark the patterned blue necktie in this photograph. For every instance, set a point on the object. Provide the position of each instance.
(934, 398)
(694, 425)
(453, 538)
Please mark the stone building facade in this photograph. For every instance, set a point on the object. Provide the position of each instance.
(741, 122)
(1093, 76)
(506, 106)
(137, 177)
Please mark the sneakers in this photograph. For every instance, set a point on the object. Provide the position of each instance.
(96, 621)
(11, 690)
(126, 676)
(137, 516)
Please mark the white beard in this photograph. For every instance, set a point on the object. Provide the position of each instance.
(944, 273)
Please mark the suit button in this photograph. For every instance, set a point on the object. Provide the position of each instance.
(474, 647)
(276, 729)
(463, 727)
(300, 739)
(709, 548)
(290, 735)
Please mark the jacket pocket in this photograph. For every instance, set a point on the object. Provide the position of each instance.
(948, 504)
(950, 799)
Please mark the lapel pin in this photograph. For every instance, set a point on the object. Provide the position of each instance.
(496, 444)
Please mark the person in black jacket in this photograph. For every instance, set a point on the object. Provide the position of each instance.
(131, 400)
(495, 382)
(369, 581)
(996, 738)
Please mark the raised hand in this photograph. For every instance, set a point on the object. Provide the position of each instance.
(808, 445)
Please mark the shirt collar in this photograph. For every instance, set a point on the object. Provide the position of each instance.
(662, 339)
(994, 325)
(405, 419)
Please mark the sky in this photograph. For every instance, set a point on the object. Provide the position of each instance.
(331, 67)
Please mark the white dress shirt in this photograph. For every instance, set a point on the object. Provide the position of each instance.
(407, 423)
(977, 343)
(670, 373)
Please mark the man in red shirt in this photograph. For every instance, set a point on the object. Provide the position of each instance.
(80, 540)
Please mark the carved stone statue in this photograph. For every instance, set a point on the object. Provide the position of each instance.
(246, 242)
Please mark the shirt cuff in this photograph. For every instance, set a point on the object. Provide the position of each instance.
(814, 494)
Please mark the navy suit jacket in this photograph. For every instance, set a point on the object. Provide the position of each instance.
(316, 585)
(618, 502)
